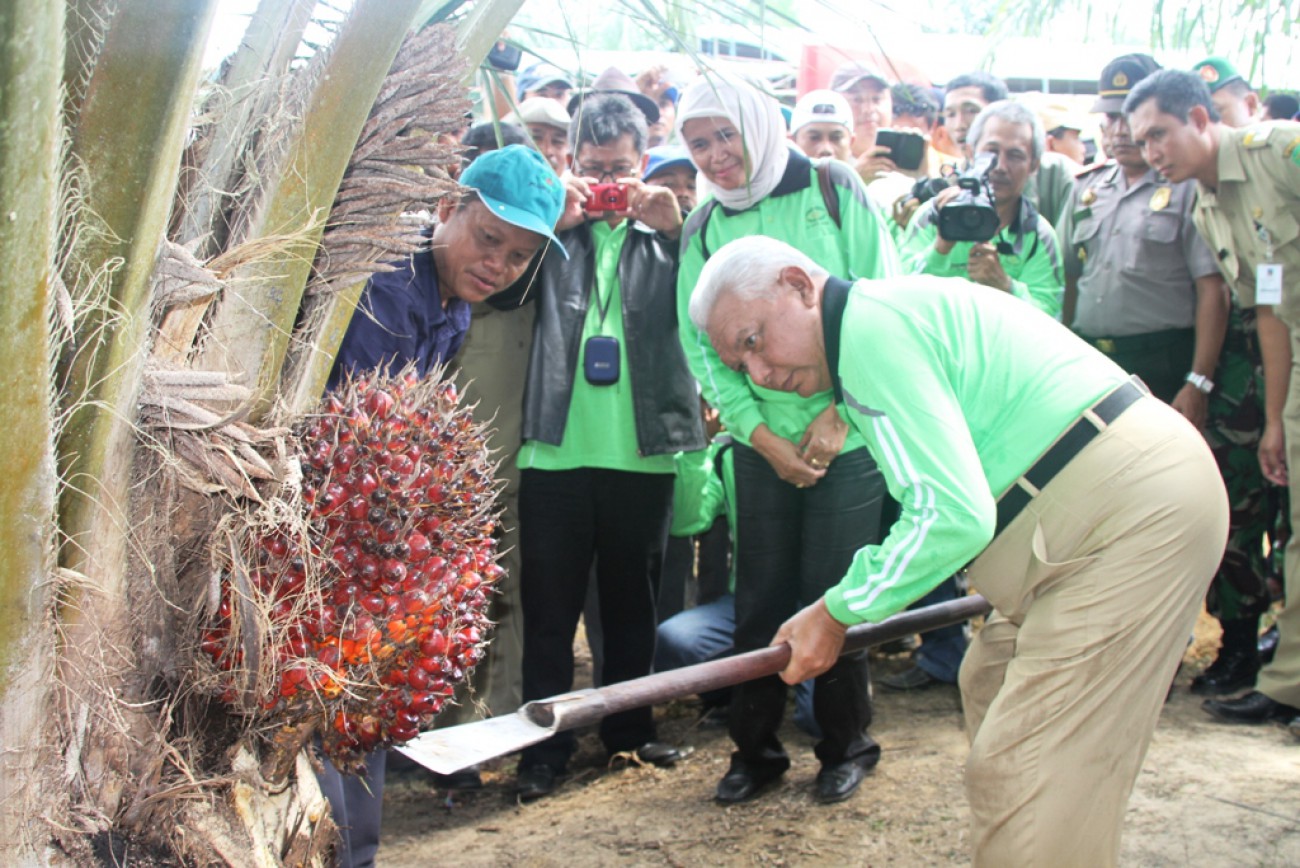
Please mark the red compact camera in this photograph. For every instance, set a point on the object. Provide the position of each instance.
(606, 197)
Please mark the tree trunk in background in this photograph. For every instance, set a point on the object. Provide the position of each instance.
(31, 61)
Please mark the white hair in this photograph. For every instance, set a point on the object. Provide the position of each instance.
(749, 268)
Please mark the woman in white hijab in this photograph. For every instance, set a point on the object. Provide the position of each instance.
(808, 493)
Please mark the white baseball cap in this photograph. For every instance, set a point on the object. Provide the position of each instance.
(821, 107)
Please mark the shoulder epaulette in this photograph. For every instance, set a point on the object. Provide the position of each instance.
(1093, 169)
(1255, 137)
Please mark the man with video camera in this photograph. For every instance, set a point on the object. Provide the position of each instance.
(985, 229)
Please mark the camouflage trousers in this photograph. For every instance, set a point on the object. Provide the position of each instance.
(1233, 428)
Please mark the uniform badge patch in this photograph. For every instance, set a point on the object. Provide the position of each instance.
(1209, 74)
(1160, 199)
(1088, 197)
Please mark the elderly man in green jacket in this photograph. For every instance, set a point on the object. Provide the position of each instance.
(1092, 516)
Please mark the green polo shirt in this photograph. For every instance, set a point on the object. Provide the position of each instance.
(957, 389)
(601, 427)
(795, 212)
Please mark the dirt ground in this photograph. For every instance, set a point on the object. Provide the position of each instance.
(1208, 795)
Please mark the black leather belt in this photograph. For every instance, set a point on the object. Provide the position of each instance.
(1071, 443)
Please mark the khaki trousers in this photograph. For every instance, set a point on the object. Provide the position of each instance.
(491, 368)
(1280, 679)
(1095, 586)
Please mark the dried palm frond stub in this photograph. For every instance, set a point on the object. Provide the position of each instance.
(399, 165)
(199, 414)
(360, 618)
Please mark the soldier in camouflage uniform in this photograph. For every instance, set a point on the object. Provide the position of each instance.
(1239, 594)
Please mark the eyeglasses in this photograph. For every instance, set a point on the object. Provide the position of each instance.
(603, 175)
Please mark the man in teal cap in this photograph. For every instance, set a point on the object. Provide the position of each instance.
(1091, 514)
(418, 312)
(1232, 95)
(481, 243)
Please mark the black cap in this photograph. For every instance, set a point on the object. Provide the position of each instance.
(1118, 78)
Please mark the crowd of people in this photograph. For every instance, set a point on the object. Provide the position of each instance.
(695, 311)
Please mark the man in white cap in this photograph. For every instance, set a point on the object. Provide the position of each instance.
(822, 126)
(548, 126)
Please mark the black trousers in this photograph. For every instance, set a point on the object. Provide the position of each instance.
(792, 546)
(567, 518)
(1161, 359)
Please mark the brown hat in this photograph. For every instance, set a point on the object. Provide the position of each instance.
(614, 80)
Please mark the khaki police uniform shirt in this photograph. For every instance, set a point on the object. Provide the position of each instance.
(1135, 253)
(1252, 217)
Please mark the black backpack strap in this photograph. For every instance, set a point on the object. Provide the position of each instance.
(704, 227)
(835, 298)
(829, 196)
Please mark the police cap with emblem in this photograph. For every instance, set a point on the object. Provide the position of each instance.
(1118, 78)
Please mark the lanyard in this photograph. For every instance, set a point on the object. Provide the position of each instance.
(602, 305)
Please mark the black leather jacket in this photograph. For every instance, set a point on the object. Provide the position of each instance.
(664, 397)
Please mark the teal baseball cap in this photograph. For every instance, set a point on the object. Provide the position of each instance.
(520, 187)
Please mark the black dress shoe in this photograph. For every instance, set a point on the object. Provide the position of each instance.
(533, 782)
(1254, 707)
(743, 781)
(912, 678)
(659, 754)
(837, 782)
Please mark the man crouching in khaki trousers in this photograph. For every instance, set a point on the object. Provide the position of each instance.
(1092, 515)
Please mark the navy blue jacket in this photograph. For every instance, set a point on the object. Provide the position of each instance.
(400, 319)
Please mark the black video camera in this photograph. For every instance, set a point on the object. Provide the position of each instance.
(970, 216)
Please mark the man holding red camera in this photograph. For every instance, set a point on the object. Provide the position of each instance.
(607, 402)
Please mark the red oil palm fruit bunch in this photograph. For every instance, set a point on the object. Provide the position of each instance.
(367, 613)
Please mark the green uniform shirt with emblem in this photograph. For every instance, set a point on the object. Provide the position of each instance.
(1034, 263)
(1252, 217)
(859, 247)
(957, 389)
(601, 427)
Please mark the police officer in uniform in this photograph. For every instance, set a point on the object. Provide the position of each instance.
(1141, 286)
(1249, 197)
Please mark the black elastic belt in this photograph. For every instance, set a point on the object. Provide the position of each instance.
(1079, 435)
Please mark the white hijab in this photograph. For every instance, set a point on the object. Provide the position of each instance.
(758, 119)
